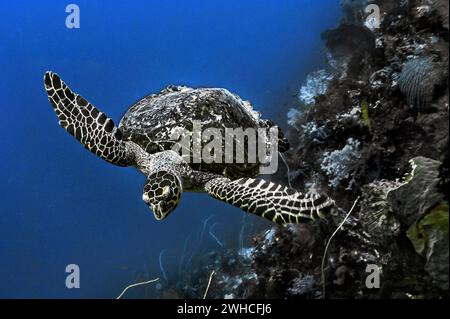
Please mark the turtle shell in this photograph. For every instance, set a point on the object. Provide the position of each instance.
(153, 122)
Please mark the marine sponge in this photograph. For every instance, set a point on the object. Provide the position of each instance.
(293, 117)
(339, 164)
(314, 133)
(316, 84)
(419, 79)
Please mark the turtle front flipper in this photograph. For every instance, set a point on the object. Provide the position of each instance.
(86, 123)
(275, 202)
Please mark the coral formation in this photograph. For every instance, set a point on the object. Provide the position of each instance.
(363, 129)
(338, 164)
(357, 136)
(373, 138)
(316, 84)
(418, 80)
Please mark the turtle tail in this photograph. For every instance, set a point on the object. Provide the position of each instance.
(274, 202)
(86, 123)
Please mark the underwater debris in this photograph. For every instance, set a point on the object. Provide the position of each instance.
(136, 285)
(209, 284)
(204, 225)
(322, 267)
(418, 81)
(241, 232)
(161, 267)
(213, 235)
(232, 279)
(288, 170)
(338, 165)
(183, 255)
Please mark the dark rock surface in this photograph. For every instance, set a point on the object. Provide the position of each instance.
(398, 167)
(383, 143)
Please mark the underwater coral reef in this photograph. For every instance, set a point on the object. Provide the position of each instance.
(372, 132)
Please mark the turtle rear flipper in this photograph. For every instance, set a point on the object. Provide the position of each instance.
(86, 123)
(274, 202)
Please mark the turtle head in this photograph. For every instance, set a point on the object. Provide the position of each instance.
(162, 193)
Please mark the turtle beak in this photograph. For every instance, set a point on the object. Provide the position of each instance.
(155, 207)
(158, 211)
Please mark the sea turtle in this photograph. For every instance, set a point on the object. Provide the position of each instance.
(142, 140)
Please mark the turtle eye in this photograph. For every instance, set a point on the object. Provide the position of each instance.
(166, 191)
